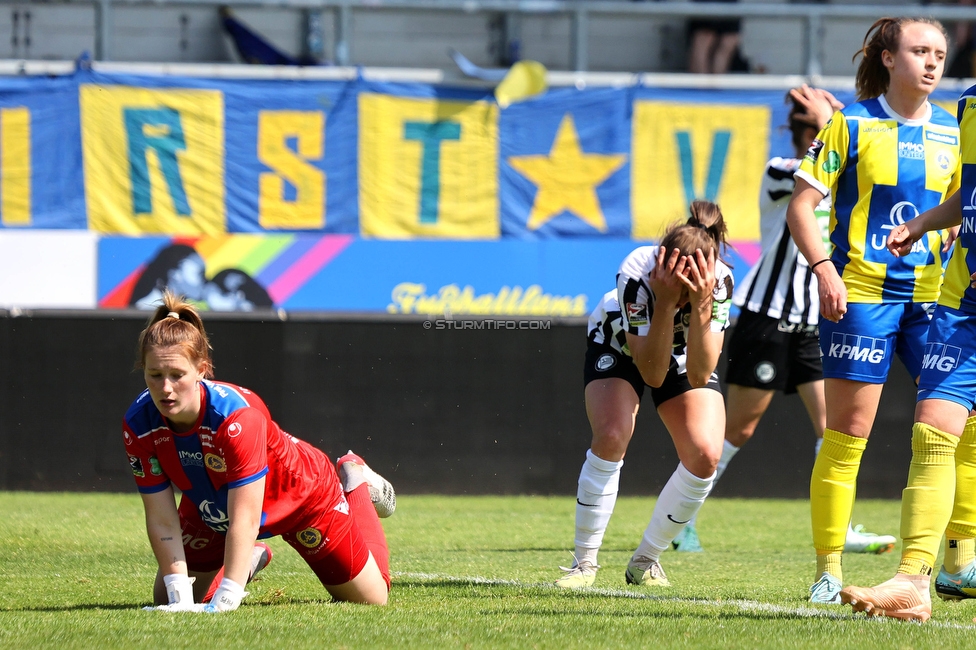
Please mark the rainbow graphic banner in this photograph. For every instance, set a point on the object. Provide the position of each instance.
(300, 272)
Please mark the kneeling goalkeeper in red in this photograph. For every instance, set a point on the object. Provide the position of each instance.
(242, 480)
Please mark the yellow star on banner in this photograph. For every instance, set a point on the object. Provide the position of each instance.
(567, 178)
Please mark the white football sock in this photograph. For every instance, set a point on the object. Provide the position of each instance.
(728, 451)
(598, 483)
(679, 501)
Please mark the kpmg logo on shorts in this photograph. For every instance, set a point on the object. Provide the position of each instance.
(941, 357)
(857, 348)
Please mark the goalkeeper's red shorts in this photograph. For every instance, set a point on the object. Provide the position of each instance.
(330, 543)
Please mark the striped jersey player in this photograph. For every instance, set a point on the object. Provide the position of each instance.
(608, 323)
(780, 284)
(662, 327)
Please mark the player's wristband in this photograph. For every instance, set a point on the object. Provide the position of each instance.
(816, 264)
(227, 598)
(179, 589)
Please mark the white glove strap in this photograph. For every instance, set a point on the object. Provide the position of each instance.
(179, 589)
(228, 596)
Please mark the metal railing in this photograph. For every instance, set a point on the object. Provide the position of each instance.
(580, 11)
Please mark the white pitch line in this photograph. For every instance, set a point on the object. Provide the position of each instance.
(743, 605)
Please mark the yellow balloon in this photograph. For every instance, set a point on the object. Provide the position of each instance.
(524, 79)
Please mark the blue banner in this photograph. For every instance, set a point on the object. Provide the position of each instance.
(300, 272)
(177, 156)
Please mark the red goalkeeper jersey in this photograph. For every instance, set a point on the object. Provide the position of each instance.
(234, 442)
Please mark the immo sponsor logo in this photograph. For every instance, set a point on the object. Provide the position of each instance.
(191, 458)
(857, 348)
(912, 150)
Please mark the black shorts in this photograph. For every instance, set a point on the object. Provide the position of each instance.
(767, 353)
(722, 26)
(602, 362)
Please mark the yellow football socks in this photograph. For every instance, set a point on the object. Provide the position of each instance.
(832, 488)
(830, 563)
(958, 553)
(960, 543)
(925, 503)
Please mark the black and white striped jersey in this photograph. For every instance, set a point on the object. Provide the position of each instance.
(609, 323)
(781, 284)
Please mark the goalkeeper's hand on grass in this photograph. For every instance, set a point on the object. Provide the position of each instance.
(179, 592)
(227, 598)
(181, 607)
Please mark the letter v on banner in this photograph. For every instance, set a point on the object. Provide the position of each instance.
(716, 165)
(681, 152)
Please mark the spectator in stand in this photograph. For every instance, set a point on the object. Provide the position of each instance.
(713, 43)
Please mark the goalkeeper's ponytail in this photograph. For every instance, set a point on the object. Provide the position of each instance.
(176, 322)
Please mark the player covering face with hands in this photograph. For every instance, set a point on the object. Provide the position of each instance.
(242, 478)
(662, 327)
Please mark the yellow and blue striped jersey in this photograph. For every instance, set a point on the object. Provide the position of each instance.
(883, 170)
(956, 292)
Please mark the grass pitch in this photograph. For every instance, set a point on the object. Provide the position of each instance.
(468, 572)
